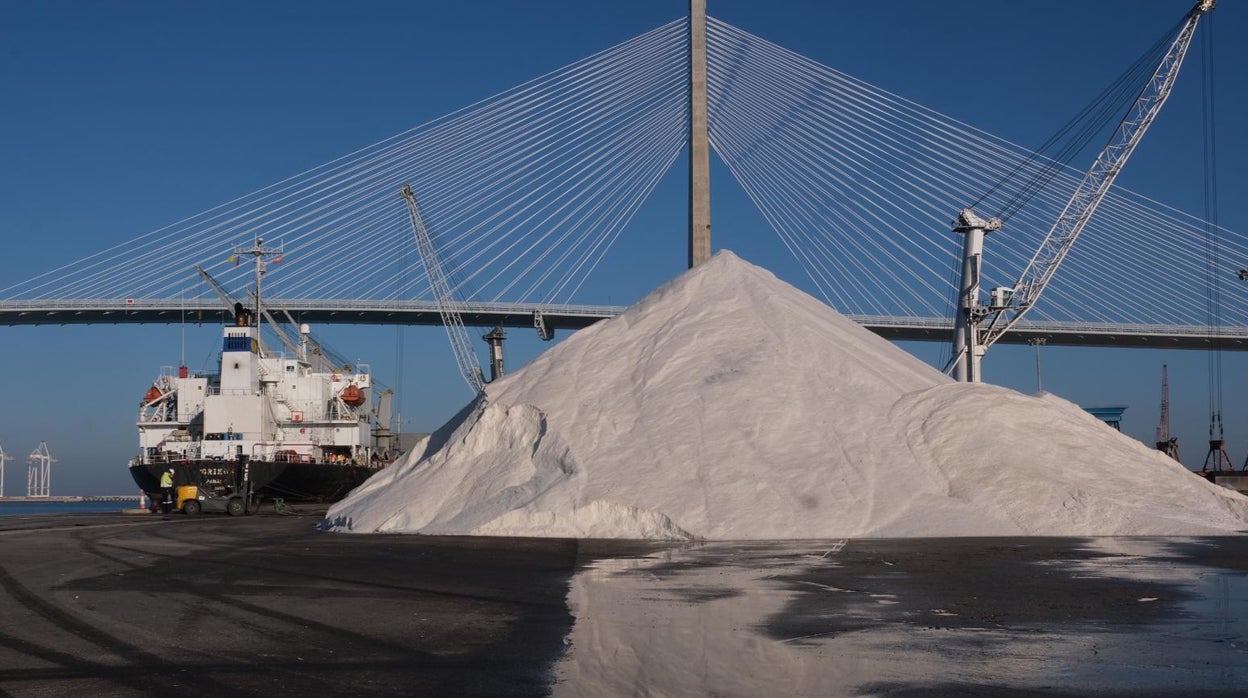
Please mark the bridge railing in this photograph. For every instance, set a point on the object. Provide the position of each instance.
(419, 312)
(1229, 331)
(212, 305)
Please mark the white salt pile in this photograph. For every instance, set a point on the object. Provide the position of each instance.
(730, 405)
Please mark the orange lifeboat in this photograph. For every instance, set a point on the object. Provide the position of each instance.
(153, 393)
(352, 395)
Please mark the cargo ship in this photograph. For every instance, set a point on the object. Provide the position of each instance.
(294, 424)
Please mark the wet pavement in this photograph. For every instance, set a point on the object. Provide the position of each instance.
(114, 605)
(952, 617)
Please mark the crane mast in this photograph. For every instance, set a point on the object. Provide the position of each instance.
(1010, 305)
(1163, 429)
(1166, 443)
(461, 345)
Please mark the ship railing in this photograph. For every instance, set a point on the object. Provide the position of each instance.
(289, 452)
(217, 390)
(283, 452)
(162, 457)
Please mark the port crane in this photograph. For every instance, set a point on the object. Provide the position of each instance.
(1166, 443)
(39, 471)
(3, 457)
(977, 327)
(461, 345)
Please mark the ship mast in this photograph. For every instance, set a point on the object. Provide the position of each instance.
(258, 251)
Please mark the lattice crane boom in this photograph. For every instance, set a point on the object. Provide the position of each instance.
(231, 306)
(226, 299)
(461, 344)
(1096, 182)
(1163, 427)
(1166, 443)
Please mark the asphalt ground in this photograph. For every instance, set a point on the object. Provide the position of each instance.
(100, 605)
(113, 605)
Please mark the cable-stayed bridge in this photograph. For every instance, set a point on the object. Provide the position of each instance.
(528, 193)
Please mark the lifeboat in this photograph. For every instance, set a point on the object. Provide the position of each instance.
(153, 393)
(352, 395)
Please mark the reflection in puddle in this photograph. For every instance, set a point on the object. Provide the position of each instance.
(719, 619)
(688, 622)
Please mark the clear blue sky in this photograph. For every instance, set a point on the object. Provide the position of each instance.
(122, 117)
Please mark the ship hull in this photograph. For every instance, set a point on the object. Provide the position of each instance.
(290, 481)
(1233, 479)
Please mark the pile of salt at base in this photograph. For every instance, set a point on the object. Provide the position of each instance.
(727, 404)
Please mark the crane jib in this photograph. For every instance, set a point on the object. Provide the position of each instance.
(1098, 180)
(461, 345)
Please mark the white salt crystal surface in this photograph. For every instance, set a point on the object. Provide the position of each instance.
(727, 404)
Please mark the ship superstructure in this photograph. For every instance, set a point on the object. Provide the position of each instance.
(304, 427)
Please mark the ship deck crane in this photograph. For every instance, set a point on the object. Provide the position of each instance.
(1008, 305)
(461, 345)
(312, 350)
(282, 337)
(226, 298)
(233, 306)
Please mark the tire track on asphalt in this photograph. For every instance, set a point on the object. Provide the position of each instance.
(274, 623)
(149, 671)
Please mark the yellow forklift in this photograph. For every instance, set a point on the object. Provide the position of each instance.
(233, 498)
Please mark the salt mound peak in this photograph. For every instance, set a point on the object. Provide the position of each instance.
(727, 404)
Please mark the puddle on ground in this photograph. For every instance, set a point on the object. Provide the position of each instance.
(821, 618)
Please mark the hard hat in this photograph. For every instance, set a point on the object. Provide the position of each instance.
(171, 470)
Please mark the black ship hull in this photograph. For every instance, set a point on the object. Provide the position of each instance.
(289, 481)
(1232, 479)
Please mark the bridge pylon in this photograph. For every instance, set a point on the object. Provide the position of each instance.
(699, 142)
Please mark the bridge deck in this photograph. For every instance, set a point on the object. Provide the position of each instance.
(573, 317)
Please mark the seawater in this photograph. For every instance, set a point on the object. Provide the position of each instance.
(35, 508)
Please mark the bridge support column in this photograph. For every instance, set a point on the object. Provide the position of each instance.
(699, 142)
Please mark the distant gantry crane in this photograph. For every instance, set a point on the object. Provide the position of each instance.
(970, 342)
(3, 457)
(39, 471)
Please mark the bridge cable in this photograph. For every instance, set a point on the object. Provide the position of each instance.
(760, 112)
(529, 190)
(1105, 108)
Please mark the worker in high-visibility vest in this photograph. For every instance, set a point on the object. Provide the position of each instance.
(166, 488)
